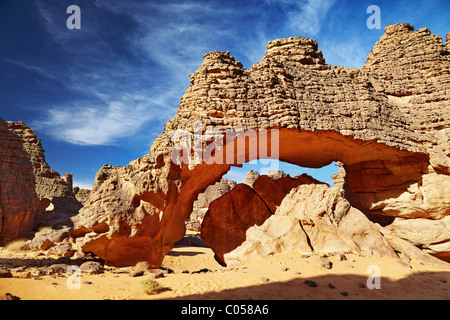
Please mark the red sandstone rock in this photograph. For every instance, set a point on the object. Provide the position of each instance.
(228, 218)
(18, 200)
(273, 191)
(51, 188)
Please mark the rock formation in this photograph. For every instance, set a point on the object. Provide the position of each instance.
(55, 193)
(201, 205)
(229, 217)
(317, 218)
(273, 188)
(18, 199)
(388, 123)
(82, 195)
(250, 177)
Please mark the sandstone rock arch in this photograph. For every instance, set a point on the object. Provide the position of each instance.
(388, 123)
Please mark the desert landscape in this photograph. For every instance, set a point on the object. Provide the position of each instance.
(168, 226)
(191, 273)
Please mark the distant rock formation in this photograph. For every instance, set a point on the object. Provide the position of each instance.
(55, 193)
(82, 195)
(250, 177)
(388, 123)
(201, 205)
(18, 200)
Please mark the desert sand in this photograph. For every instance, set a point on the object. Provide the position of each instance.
(275, 277)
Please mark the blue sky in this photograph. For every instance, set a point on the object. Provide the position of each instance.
(102, 94)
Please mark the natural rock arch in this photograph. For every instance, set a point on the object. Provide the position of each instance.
(388, 123)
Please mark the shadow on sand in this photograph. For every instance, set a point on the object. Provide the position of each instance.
(423, 285)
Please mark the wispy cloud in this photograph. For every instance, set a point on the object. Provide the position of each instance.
(42, 71)
(133, 76)
(311, 16)
(305, 16)
(116, 94)
(99, 125)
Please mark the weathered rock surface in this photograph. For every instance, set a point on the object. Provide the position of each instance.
(228, 218)
(82, 195)
(55, 192)
(317, 218)
(250, 177)
(47, 238)
(18, 199)
(387, 123)
(432, 236)
(273, 188)
(201, 205)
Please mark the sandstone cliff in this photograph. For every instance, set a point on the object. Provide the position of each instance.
(388, 123)
(18, 199)
(55, 193)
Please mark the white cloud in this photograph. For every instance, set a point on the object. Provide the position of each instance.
(25, 66)
(117, 97)
(171, 39)
(83, 184)
(309, 16)
(99, 125)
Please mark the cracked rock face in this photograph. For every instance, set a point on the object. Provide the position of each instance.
(387, 123)
(18, 199)
(55, 192)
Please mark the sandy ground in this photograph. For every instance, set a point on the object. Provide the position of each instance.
(277, 277)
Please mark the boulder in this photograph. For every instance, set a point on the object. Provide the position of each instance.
(277, 235)
(432, 236)
(92, 267)
(230, 216)
(47, 238)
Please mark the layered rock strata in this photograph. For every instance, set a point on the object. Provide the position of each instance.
(55, 192)
(388, 123)
(18, 199)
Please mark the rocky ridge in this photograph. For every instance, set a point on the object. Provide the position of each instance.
(55, 192)
(18, 199)
(387, 124)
